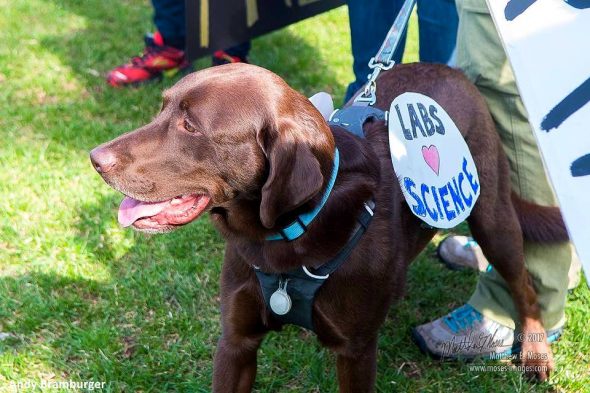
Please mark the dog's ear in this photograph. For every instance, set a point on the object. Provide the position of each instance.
(295, 174)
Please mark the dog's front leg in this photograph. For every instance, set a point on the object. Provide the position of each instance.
(357, 368)
(234, 369)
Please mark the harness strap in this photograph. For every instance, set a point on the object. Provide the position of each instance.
(302, 284)
(363, 223)
(354, 117)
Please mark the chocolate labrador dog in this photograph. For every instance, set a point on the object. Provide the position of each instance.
(236, 141)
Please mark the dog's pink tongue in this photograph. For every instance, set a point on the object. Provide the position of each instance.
(132, 210)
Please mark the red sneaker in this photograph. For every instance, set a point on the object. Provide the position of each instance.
(157, 59)
(221, 57)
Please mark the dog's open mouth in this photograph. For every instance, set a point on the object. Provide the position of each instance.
(162, 215)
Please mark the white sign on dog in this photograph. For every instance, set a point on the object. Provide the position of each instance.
(432, 161)
(547, 42)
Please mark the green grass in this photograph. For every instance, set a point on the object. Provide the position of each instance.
(83, 299)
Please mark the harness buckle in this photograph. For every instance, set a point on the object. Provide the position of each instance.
(368, 95)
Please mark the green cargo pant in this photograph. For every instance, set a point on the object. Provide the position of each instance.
(481, 56)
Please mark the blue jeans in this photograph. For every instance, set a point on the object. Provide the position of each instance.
(169, 18)
(370, 20)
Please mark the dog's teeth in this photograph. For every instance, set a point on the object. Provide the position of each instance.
(176, 201)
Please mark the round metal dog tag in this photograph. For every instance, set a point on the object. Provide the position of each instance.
(280, 302)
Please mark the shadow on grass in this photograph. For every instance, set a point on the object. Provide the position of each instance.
(152, 325)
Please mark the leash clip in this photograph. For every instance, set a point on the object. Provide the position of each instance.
(381, 66)
(368, 96)
(383, 58)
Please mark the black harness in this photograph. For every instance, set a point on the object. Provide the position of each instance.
(289, 296)
(298, 288)
(354, 117)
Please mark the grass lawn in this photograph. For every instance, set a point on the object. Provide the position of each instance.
(82, 299)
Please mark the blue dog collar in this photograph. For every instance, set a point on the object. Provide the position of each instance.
(299, 226)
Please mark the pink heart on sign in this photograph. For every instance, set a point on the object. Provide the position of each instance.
(431, 157)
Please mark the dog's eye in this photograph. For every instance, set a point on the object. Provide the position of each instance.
(188, 126)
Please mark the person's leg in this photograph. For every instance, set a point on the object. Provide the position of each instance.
(235, 54)
(575, 273)
(459, 252)
(165, 49)
(481, 55)
(163, 52)
(240, 50)
(169, 18)
(438, 21)
(491, 311)
(547, 264)
(370, 20)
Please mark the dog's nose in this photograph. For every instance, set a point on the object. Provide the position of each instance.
(103, 159)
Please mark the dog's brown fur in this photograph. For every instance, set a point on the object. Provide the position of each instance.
(264, 154)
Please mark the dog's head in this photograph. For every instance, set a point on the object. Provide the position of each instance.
(225, 134)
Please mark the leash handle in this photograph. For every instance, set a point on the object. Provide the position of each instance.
(383, 59)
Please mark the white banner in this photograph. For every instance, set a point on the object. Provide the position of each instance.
(548, 44)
